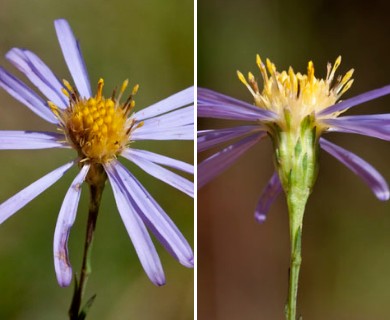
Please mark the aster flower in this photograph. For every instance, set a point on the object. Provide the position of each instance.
(100, 129)
(294, 110)
(286, 100)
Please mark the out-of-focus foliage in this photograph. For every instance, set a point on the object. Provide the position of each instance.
(151, 43)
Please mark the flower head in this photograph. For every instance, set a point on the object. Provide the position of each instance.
(295, 110)
(100, 129)
(293, 96)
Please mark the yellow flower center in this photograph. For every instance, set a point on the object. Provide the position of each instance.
(98, 128)
(295, 94)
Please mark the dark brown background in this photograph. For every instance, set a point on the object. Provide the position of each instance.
(242, 269)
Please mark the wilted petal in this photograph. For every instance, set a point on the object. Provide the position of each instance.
(361, 98)
(178, 100)
(377, 126)
(217, 163)
(161, 173)
(155, 218)
(39, 74)
(65, 222)
(134, 225)
(160, 159)
(267, 198)
(360, 167)
(210, 138)
(16, 140)
(212, 104)
(73, 57)
(19, 200)
(25, 95)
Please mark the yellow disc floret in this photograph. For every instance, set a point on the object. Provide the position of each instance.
(296, 94)
(98, 128)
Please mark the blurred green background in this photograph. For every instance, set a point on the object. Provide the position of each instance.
(243, 266)
(151, 43)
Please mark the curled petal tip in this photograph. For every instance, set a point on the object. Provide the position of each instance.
(64, 279)
(260, 217)
(188, 261)
(159, 281)
(383, 196)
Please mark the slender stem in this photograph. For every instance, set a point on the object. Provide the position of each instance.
(96, 186)
(295, 266)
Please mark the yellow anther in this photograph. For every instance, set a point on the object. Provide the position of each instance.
(65, 92)
(124, 86)
(347, 76)
(346, 87)
(310, 71)
(99, 89)
(242, 78)
(135, 89)
(67, 85)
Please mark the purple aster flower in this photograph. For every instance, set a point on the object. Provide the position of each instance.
(100, 129)
(285, 101)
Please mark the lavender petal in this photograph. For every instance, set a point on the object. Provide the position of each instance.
(212, 104)
(210, 138)
(267, 198)
(65, 222)
(17, 140)
(217, 163)
(361, 98)
(25, 95)
(176, 133)
(73, 57)
(162, 174)
(134, 225)
(178, 100)
(377, 126)
(177, 118)
(155, 218)
(360, 167)
(19, 200)
(160, 159)
(39, 74)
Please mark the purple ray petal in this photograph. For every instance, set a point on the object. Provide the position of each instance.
(73, 57)
(39, 74)
(160, 159)
(178, 100)
(134, 225)
(217, 163)
(176, 133)
(17, 140)
(212, 104)
(360, 167)
(210, 138)
(19, 200)
(155, 218)
(161, 173)
(25, 95)
(377, 126)
(361, 98)
(267, 198)
(65, 222)
(177, 118)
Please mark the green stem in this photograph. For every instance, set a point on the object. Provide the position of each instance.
(295, 266)
(96, 180)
